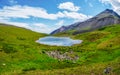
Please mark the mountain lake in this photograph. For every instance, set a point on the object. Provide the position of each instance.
(58, 41)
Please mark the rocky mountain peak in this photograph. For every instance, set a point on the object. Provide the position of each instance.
(105, 18)
(108, 12)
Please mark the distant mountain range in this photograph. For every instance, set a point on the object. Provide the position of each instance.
(105, 18)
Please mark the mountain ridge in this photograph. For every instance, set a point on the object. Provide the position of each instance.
(107, 17)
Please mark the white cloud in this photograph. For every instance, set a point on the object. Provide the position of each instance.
(76, 16)
(19, 24)
(68, 6)
(2, 19)
(40, 27)
(25, 25)
(18, 11)
(114, 3)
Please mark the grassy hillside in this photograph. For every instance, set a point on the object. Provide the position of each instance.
(20, 54)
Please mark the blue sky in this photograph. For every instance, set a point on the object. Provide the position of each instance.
(47, 15)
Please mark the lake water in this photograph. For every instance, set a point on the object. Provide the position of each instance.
(58, 41)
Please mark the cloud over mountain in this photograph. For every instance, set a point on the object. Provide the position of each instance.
(114, 3)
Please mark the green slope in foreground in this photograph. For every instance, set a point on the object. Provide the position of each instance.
(21, 55)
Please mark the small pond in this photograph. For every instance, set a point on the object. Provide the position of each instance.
(58, 41)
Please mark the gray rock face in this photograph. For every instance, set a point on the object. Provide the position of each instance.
(107, 17)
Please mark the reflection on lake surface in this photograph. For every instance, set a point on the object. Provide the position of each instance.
(58, 41)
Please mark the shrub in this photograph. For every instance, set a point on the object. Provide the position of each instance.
(29, 69)
(9, 48)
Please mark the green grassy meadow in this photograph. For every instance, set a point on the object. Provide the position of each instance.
(21, 55)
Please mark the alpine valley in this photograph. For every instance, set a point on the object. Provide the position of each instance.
(98, 54)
